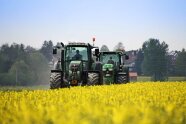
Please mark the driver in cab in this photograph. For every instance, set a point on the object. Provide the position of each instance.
(77, 56)
(110, 61)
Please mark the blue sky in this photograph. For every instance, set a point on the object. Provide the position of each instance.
(129, 21)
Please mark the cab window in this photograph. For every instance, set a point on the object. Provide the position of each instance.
(72, 51)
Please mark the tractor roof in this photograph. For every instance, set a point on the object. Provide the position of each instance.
(80, 44)
(112, 52)
(77, 43)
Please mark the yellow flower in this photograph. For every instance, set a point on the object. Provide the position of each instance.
(143, 103)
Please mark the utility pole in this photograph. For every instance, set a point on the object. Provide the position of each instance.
(16, 77)
(185, 73)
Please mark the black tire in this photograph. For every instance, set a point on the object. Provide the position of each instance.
(55, 81)
(93, 79)
(122, 79)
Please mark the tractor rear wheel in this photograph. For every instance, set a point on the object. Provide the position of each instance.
(93, 79)
(122, 79)
(55, 81)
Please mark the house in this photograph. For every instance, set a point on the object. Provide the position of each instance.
(133, 76)
(131, 64)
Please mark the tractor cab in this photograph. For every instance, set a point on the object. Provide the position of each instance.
(110, 58)
(77, 60)
(115, 58)
(75, 64)
(113, 69)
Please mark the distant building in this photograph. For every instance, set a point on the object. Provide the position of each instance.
(172, 56)
(172, 62)
(132, 57)
(133, 76)
(131, 64)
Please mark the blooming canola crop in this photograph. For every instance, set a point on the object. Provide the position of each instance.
(150, 102)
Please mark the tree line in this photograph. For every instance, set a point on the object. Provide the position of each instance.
(155, 60)
(25, 65)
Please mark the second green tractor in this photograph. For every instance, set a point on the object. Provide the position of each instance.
(113, 67)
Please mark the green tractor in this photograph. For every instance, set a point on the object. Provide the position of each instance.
(74, 66)
(113, 68)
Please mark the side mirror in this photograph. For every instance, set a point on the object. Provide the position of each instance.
(96, 52)
(54, 51)
(62, 44)
(126, 57)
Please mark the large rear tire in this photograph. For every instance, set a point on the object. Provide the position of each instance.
(93, 79)
(55, 81)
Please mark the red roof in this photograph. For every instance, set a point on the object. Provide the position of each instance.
(133, 74)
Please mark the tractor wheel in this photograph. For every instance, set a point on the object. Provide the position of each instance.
(93, 79)
(55, 81)
(122, 79)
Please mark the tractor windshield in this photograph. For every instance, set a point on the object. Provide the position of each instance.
(107, 58)
(76, 53)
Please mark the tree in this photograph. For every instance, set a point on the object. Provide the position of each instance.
(26, 63)
(5, 61)
(3, 65)
(38, 63)
(23, 73)
(119, 47)
(180, 64)
(155, 61)
(104, 48)
(10, 54)
(30, 49)
(6, 79)
(46, 50)
(138, 62)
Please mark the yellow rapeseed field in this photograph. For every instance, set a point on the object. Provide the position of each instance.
(146, 103)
